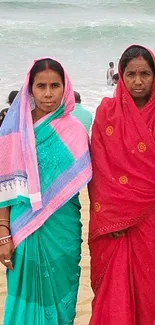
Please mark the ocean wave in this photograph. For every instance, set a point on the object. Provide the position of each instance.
(86, 26)
(37, 5)
(69, 4)
(115, 31)
(65, 7)
(93, 31)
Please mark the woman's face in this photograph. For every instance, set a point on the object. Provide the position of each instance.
(47, 91)
(138, 78)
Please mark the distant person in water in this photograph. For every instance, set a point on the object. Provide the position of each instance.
(10, 100)
(12, 96)
(115, 81)
(110, 73)
(82, 114)
(115, 78)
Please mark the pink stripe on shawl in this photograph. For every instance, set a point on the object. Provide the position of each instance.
(31, 161)
(67, 192)
(9, 167)
(65, 134)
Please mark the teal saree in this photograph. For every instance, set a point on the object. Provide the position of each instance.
(43, 288)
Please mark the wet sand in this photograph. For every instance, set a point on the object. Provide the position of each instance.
(85, 294)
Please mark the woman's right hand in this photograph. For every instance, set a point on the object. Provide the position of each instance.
(6, 252)
(7, 249)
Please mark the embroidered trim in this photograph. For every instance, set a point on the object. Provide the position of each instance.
(101, 276)
(10, 188)
(97, 207)
(124, 100)
(109, 130)
(123, 180)
(120, 225)
(141, 147)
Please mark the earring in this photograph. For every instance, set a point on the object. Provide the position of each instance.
(32, 102)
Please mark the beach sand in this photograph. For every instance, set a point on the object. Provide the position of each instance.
(85, 294)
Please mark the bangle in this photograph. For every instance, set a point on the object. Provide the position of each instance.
(5, 241)
(5, 220)
(5, 227)
(5, 237)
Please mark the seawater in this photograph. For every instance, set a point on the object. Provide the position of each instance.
(84, 35)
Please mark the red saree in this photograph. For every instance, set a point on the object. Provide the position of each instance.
(122, 194)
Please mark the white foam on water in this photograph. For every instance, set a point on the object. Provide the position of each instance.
(85, 37)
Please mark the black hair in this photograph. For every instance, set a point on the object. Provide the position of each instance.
(111, 64)
(12, 96)
(2, 115)
(134, 52)
(116, 76)
(77, 97)
(44, 64)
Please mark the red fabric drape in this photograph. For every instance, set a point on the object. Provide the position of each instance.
(122, 194)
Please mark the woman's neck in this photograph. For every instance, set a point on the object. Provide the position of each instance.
(37, 115)
(140, 102)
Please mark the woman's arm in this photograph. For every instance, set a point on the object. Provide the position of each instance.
(6, 243)
(97, 163)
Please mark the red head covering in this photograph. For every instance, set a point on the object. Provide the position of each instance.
(122, 190)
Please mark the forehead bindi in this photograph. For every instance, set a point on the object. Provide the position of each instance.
(138, 64)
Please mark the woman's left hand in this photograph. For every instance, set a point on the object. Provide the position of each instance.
(118, 234)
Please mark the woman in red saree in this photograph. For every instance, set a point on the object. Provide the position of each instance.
(122, 194)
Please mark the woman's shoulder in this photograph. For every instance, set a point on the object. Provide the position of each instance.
(71, 125)
(106, 102)
(105, 106)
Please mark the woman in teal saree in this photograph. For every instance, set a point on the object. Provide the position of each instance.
(48, 165)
